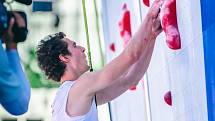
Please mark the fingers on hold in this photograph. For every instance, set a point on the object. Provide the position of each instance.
(159, 3)
(157, 23)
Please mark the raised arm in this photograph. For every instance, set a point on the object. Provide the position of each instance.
(131, 54)
(134, 73)
(15, 88)
(131, 77)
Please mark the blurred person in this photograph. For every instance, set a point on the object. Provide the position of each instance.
(81, 91)
(14, 86)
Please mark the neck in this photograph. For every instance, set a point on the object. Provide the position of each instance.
(69, 75)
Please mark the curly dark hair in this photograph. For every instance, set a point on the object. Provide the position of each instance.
(48, 52)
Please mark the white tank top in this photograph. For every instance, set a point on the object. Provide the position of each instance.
(59, 106)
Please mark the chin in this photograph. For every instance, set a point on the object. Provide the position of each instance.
(88, 67)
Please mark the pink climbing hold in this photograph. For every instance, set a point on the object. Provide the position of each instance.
(125, 30)
(170, 25)
(168, 98)
(133, 87)
(112, 47)
(125, 25)
(146, 2)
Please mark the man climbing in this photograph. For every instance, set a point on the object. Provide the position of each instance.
(80, 91)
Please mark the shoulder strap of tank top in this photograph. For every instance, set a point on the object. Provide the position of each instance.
(96, 101)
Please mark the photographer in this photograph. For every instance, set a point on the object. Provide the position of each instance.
(14, 86)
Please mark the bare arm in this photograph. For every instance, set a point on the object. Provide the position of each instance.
(132, 77)
(138, 45)
(89, 84)
(135, 72)
(108, 75)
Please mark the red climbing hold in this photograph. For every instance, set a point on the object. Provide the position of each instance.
(146, 2)
(170, 25)
(112, 47)
(125, 25)
(168, 98)
(125, 29)
(133, 87)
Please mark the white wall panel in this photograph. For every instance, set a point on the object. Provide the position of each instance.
(131, 105)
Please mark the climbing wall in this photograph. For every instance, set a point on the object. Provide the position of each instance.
(131, 105)
(174, 84)
(189, 90)
(180, 71)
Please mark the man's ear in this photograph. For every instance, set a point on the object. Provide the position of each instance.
(64, 58)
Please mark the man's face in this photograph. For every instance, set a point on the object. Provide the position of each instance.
(77, 57)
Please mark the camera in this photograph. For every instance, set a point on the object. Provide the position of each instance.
(20, 33)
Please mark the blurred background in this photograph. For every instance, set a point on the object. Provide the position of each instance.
(66, 16)
(176, 87)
